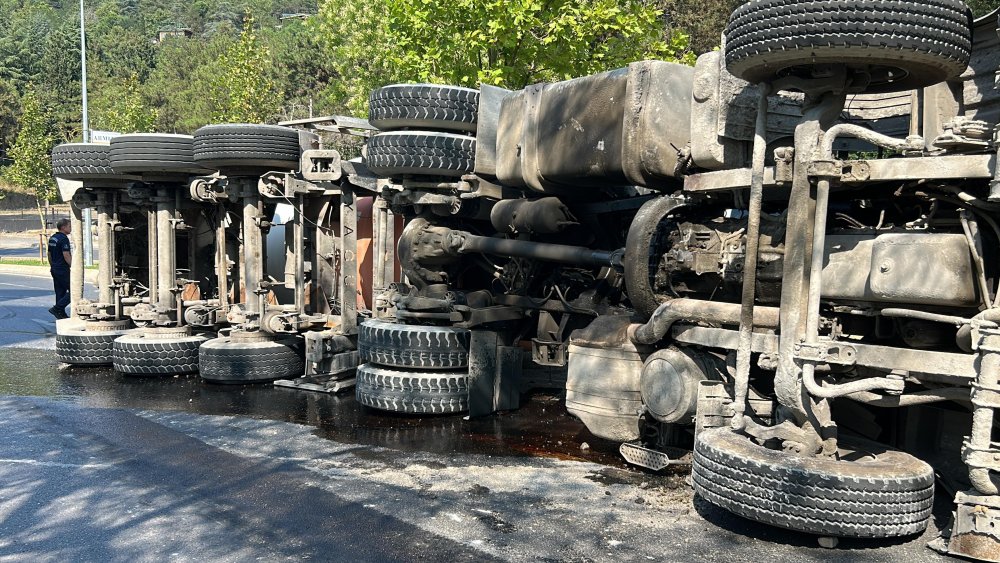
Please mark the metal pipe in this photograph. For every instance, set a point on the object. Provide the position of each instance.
(743, 352)
(88, 237)
(349, 261)
(816, 264)
(831, 391)
(105, 255)
(559, 253)
(812, 311)
(76, 267)
(299, 235)
(668, 313)
(384, 263)
(221, 259)
(971, 229)
(153, 257)
(202, 302)
(166, 246)
(253, 265)
(968, 199)
(925, 316)
(113, 243)
(858, 132)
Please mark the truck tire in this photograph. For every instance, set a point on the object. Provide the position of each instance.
(146, 354)
(83, 161)
(83, 344)
(413, 346)
(144, 153)
(424, 106)
(921, 43)
(641, 254)
(222, 360)
(416, 392)
(247, 145)
(882, 494)
(391, 155)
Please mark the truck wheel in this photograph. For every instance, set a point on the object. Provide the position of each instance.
(413, 346)
(418, 392)
(83, 161)
(868, 492)
(424, 106)
(224, 360)
(142, 153)
(88, 343)
(643, 251)
(157, 352)
(247, 145)
(901, 43)
(420, 153)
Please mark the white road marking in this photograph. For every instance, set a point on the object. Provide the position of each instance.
(56, 464)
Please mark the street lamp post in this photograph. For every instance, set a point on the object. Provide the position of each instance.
(88, 240)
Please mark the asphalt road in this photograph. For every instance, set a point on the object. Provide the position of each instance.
(19, 245)
(25, 295)
(97, 466)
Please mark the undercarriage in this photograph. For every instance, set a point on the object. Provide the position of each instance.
(784, 259)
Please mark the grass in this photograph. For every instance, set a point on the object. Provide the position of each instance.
(32, 262)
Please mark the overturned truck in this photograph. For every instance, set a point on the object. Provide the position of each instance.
(785, 257)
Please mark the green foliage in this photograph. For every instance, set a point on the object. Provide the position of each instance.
(500, 42)
(126, 111)
(704, 20)
(180, 86)
(982, 7)
(58, 79)
(32, 167)
(10, 110)
(298, 65)
(354, 36)
(283, 68)
(245, 91)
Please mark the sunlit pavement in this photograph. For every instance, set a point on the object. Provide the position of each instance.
(97, 466)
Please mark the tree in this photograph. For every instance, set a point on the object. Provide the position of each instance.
(299, 65)
(59, 79)
(10, 110)
(704, 20)
(246, 91)
(181, 85)
(126, 110)
(32, 167)
(500, 42)
(982, 7)
(354, 37)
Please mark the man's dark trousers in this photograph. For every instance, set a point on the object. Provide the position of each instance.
(60, 281)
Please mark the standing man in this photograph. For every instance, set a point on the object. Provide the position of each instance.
(59, 261)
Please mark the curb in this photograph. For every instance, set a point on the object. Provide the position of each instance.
(89, 276)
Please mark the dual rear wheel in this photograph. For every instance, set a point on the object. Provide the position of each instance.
(416, 369)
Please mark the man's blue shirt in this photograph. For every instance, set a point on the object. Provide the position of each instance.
(58, 243)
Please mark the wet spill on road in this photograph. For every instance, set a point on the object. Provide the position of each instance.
(541, 427)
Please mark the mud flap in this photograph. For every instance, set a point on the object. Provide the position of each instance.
(494, 372)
